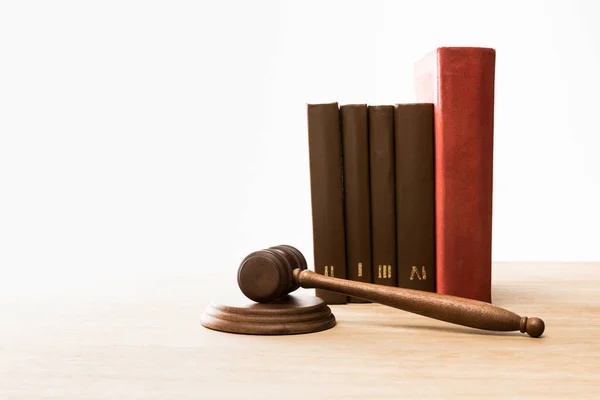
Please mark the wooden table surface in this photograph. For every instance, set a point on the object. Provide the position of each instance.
(142, 339)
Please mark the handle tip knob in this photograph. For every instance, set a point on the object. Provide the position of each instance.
(533, 326)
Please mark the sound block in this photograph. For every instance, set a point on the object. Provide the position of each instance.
(286, 316)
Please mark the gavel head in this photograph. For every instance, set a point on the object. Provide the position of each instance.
(266, 275)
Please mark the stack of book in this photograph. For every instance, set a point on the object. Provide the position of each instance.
(402, 194)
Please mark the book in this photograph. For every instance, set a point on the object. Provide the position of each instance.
(382, 194)
(327, 195)
(460, 83)
(415, 196)
(357, 207)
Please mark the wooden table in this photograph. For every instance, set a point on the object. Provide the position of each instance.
(141, 339)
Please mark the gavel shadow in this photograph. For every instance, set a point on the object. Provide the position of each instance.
(443, 327)
(449, 329)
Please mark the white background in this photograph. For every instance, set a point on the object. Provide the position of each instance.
(169, 138)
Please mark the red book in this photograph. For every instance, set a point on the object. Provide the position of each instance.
(459, 81)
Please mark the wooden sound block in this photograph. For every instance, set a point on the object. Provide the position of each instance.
(286, 316)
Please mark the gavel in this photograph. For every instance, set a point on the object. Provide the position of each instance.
(267, 275)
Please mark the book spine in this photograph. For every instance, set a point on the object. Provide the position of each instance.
(383, 194)
(460, 82)
(326, 169)
(415, 202)
(357, 206)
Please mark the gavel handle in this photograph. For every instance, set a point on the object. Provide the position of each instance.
(456, 310)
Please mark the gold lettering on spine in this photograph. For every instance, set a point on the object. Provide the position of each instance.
(332, 272)
(415, 272)
(384, 271)
(327, 271)
(359, 269)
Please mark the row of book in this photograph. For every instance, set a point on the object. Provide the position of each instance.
(402, 194)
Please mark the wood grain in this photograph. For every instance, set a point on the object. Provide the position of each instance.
(143, 339)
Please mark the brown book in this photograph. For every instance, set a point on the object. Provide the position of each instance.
(415, 201)
(355, 138)
(383, 194)
(326, 168)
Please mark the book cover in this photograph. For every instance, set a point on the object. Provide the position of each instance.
(357, 206)
(415, 196)
(383, 194)
(460, 83)
(327, 203)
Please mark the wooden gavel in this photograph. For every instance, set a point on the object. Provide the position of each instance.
(267, 275)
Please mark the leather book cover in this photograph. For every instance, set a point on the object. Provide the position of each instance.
(327, 202)
(357, 207)
(383, 194)
(460, 83)
(415, 197)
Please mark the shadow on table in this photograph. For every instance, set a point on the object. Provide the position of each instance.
(450, 329)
